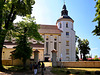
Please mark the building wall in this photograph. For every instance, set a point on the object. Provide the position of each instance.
(6, 55)
(7, 59)
(15, 62)
(64, 38)
(50, 38)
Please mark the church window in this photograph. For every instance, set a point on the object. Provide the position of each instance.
(67, 43)
(67, 51)
(66, 25)
(60, 25)
(55, 45)
(67, 33)
(46, 47)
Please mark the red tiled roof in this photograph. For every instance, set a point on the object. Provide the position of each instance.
(11, 45)
(52, 29)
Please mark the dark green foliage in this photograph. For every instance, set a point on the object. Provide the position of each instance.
(23, 50)
(84, 47)
(77, 52)
(96, 31)
(77, 73)
(24, 31)
(76, 38)
(8, 11)
(87, 72)
(31, 29)
(97, 72)
(68, 72)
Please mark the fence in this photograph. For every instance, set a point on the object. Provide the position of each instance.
(80, 64)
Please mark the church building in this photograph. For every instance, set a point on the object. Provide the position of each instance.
(60, 37)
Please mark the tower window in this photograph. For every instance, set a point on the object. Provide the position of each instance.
(67, 51)
(67, 33)
(60, 25)
(67, 43)
(66, 25)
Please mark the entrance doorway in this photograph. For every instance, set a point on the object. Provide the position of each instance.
(46, 59)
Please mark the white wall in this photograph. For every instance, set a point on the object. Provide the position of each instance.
(51, 44)
(70, 38)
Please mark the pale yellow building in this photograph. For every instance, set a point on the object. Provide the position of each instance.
(60, 37)
(8, 60)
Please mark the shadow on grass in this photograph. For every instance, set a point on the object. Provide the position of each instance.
(17, 70)
(66, 71)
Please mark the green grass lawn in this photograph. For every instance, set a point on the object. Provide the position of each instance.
(62, 71)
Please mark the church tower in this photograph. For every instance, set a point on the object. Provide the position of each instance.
(65, 24)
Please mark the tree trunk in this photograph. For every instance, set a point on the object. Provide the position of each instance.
(1, 67)
(84, 58)
(24, 64)
(2, 38)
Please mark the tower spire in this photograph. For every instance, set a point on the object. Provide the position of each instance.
(64, 12)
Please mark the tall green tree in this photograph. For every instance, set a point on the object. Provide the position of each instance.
(24, 31)
(84, 48)
(96, 31)
(23, 50)
(8, 11)
(77, 52)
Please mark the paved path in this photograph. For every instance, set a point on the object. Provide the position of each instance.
(47, 72)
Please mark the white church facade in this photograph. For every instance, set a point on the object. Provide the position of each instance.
(60, 37)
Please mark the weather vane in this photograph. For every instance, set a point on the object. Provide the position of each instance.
(64, 1)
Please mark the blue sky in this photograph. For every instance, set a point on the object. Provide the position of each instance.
(82, 11)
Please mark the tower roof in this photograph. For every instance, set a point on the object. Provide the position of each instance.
(64, 14)
(64, 7)
(64, 11)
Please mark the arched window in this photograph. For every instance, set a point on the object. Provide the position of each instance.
(66, 25)
(67, 51)
(60, 25)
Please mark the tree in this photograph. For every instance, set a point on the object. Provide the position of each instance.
(8, 11)
(83, 47)
(24, 31)
(22, 51)
(96, 31)
(76, 38)
(96, 56)
(77, 52)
